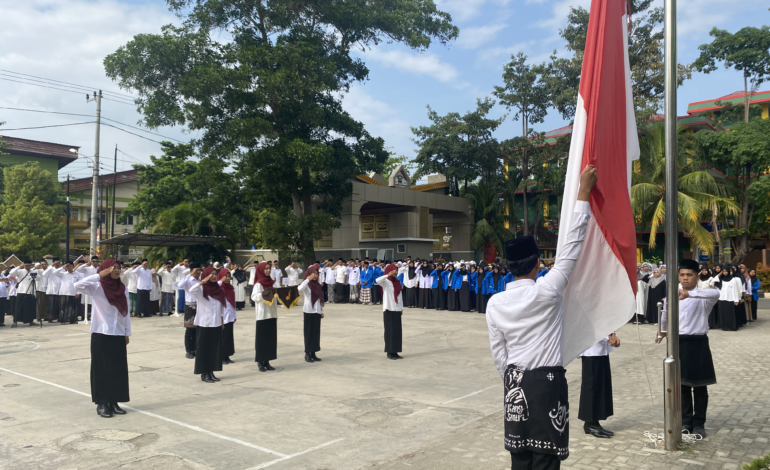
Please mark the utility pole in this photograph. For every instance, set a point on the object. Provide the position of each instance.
(95, 185)
(114, 186)
(67, 248)
(672, 369)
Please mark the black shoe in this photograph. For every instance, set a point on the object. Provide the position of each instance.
(699, 430)
(105, 411)
(262, 367)
(687, 427)
(213, 377)
(609, 433)
(189, 355)
(595, 431)
(227, 360)
(268, 366)
(205, 377)
(392, 356)
(117, 409)
(308, 358)
(315, 358)
(396, 356)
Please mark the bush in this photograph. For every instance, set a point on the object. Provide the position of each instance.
(763, 274)
(760, 463)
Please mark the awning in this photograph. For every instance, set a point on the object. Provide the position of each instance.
(151, 239)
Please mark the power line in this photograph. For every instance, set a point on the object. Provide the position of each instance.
(58, 125)
(46, 112)
(132, 133)
(48, 86)
(66, 83)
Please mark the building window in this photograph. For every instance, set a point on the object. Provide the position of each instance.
(401, 248)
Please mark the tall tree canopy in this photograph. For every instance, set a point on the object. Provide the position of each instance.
(262, 81)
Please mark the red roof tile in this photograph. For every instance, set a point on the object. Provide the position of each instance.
(83, 184)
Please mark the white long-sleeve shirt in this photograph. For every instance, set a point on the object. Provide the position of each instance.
(306, 305)
(293, 275)
(4, 287)
(388, 300)
(209, 312)
(143, 278)
(252, 274)
(41, 281)
(167, 281)
(68, 281)
(276, 276)
(86, 270)
(178, 272)
(52, 283)
(694, 311)
(602, 348)
(105, 319)
(354, 276)
(186, 284)
(229, 315)
(131, 276)
(525, 321)
(329, 275)
(264, 311)
(731, 290)
(24, 285)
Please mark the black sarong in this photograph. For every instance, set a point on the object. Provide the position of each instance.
(464, 297)
(536, 411)
(42, 305)
(727, 315)
(25, 308)
(208, 349)
(312, 324)
(166, 302)
(228, 341)
(339, 293)
(376, 295)
(109, 369)
(266, 340)
(142, 303)
(3, 309)
(426, 298)
(393, 332)
(596, 389)
(697, 364)
(753, 309)
(69, 309)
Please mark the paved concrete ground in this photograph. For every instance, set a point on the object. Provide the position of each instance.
(440, 407)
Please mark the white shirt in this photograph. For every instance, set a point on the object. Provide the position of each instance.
(155, 291)
(167, 280)
(131, 276)
(185, 285)
(340, 272)
(264, 311)
(86, 270)
(525, 321)
(143, 278)
(4, 287)
(209, 312)
(694, 311)
(388, 301)
(731, 290)
(41, 280)
(252, 275)
(68, 281)
(24, 286)
(178, 272)
(705, 284)
(275, 275)
(602, 348)
(426, 282)
(293, 275)
(329, 275)
(229, 315)
(306, 307)
(52, 282)
(354, 275)
(105, 318)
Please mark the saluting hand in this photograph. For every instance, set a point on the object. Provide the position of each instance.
(683, 294)
(107, 272)
(208, 278)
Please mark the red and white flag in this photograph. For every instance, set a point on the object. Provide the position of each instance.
(600, 296)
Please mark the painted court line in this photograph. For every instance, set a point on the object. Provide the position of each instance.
(37, 345)
(272, 462)
(451, 401)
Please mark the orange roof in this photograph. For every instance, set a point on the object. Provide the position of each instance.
(366, 179)
(428, 187)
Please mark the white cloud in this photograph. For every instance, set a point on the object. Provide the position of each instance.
(380, 119)
(501, 55)
(560, 11)
(474, 37)
(68, 41)
(418, 64)
(461, 9)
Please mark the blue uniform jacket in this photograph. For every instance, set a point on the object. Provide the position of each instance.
(367, 278)
(472, 278)
(445, 279)
(457, 280)
(435, 274)
(377, 274)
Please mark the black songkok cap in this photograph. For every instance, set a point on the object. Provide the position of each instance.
(518, 249)
(81, 261)
(689, 264)
(195, 266)
(135, 263)
(94, 258)
(145, 259)
(27, 261)
(55, 258)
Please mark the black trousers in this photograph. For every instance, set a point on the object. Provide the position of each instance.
(529, 460)
(189, 339)
(693, 416)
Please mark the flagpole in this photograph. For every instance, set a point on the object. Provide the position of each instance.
(672, 372)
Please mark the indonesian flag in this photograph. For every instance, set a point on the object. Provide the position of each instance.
(600, 296)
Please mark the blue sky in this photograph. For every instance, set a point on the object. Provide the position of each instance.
(67, 41)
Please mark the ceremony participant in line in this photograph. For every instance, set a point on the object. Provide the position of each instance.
(85, 270)
(354, 281)
(410, 285)
(265, 298)
(729, 299)
(340, 278)
(507, 277)
(656, 293)
(110, 330)
(155, 294)
(461, 286)
(377, 267)
(52, 285)
(425, 294)
(276, 275)
(4, 289)
(292, 271)
(755, 286)
(12, 296)
(746, 287)
(68, 295)
(209, 315)
(392, 309)
(240, 283)
(132, 288)
(596, 387)
(525, 334)
(41, 298)
(26, 296)
(330, 278)
(438, 289)
(313, 312)
(143, 287)
(180, 271)
(228, 339)
(472, 284)
(452, 304)
(642, 279)
(694, 352)
(704, 282)
(367, 283)
(167, 281)
(481, 295)
(493, 282)
(190, 309)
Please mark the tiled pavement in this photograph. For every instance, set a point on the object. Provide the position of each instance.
(738, 421)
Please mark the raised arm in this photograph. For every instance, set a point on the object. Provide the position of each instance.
(88, 285)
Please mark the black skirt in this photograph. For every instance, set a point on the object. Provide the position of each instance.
(393, 331)
(452, 303)
(240, 305)
(753, 309)
(481, 302)
(109, 369)
(536, 411)
(3, 309)
(25, 308)
(376, 294)
(464, 296)
(69, 309)
(339, 293)
(312, 324)
(439, 298)
(208, 349)
(740, 314)
(426, 298)
(654, 295)
(596, 389)
(142, 302)
(727, 315)
(54, 307)
(714, 316)
(228, 340)
(410, 297)
(266, 340)
(697, 364)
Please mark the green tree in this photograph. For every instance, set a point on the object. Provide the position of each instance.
(525, 92)
(3, 144)
(697, 190)
(747, 51)
(745, 149)
(30, 212)
(460, 147)
(268, 94)
(489, 233)
(394, 161)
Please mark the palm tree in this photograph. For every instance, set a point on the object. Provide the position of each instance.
(490, 233)
(698, 191)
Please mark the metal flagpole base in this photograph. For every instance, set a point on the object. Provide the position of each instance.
(176, 315)
(672, 396)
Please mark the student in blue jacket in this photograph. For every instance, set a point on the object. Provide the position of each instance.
(755, 286)
(473, 285)
(377, 290)
(439, 287)
(367, 283)
(481, 298)
(461, 286)
(508, 277)
(451, 295)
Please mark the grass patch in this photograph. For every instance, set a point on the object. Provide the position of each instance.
(760, 463)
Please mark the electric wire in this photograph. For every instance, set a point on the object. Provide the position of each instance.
(46, 127)
(66, 83)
